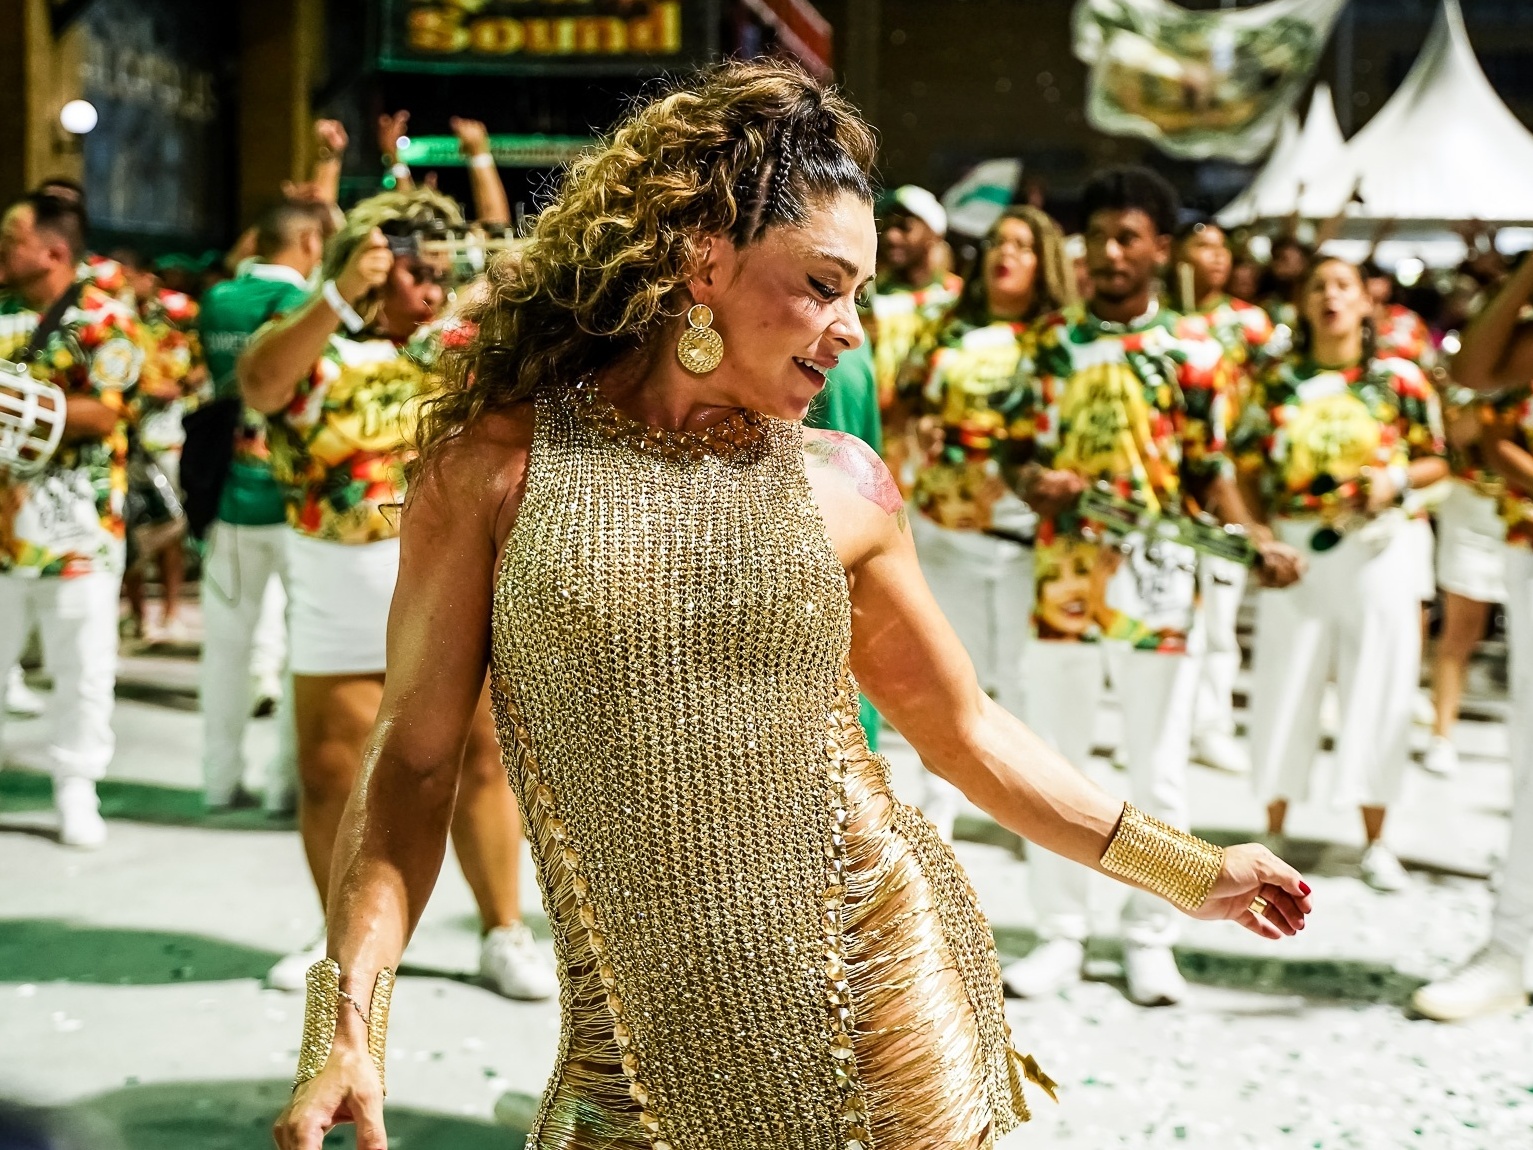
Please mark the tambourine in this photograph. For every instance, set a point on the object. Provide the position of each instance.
(31, 421)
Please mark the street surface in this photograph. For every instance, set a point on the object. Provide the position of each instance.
(132, 1015)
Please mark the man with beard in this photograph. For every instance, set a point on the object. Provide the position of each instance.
(1125, 392)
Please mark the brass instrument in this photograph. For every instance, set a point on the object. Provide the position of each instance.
(1115, 518)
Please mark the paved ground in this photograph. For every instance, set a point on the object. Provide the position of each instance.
(132, 1016)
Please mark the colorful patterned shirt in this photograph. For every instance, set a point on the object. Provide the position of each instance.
(1245, 331)
(1405, 335)
(900, 322)
(1309, 432)
(1142, 408)
(1512, 412)
(176, 370)
(972, 386)
(341, 447)
(68, 521)
(17, 323)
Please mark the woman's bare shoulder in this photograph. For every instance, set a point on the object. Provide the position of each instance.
(481, 472)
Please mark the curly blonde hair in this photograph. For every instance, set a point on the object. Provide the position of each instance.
(733, 151)
(420, 209)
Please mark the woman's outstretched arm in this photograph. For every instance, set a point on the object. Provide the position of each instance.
(394, 832)
(914, 669)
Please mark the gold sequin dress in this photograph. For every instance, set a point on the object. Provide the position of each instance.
(759, 947)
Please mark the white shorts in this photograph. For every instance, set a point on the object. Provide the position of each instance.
(1418, 539)
(338, 605)
(1471, 546)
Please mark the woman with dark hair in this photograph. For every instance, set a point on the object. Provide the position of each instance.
(957, 401)
(619, 515)
(1332, 440)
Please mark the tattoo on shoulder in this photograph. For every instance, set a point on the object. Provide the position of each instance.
(856, 460)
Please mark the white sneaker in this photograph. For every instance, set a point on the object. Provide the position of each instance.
(1441, 757)
(1423, 712)
(1047, 970)
(1153, 978)
(80, 821)
(1490, 984)
(290, 970)
(1222, 751)
(511, 964)
(20, 699)
(1382, 870)
(175, 632)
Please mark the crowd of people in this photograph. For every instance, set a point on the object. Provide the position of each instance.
(1101, 440)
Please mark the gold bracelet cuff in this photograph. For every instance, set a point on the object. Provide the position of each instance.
(1179, 867)
(322, 1007)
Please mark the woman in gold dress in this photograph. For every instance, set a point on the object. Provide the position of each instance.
(675, 590)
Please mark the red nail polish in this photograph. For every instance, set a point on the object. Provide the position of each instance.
(1304, 886)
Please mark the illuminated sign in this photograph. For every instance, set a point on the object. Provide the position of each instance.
(539, 36)
(509, 151)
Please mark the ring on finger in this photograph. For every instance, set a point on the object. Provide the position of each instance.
(1258, 906)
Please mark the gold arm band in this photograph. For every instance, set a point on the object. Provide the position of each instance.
(322, 1007)
(1179, 867)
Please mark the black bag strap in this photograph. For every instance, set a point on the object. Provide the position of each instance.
(51, 321)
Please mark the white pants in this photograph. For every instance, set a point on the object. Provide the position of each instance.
(241, 567)
(984, 587)
(1156, 692)
(1512, 922)
(1223, 585)
(1355, 615)
(78, 620)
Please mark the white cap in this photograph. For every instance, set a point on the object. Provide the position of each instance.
(923, 205)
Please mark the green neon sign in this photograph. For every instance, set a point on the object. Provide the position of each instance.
(509, 151)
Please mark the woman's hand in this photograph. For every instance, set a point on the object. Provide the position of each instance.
(1278, 564)
(1053, 492)
(1251, 871)
(367, 269)
(346, 1090)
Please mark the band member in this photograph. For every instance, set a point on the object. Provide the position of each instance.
(915, 287)
(1127, 393)
(957, 402)
(1204, 264)
(244, 577)
(61, 533)
(1331, 442)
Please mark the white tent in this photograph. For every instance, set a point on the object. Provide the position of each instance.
(1444, 149)
(1299, 159)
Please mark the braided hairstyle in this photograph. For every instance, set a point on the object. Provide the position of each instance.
(735, 150)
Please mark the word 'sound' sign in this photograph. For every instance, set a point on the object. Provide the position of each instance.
(540, 36)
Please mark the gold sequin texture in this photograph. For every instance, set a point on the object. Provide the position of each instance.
(1179, 867)
(759, 948)
(322, 1004)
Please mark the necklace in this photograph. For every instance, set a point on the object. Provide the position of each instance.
(738, 437)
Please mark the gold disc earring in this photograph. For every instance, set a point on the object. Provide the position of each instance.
(700, 349)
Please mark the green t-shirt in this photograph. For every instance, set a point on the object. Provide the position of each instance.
(849, 402)
(231, 313)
